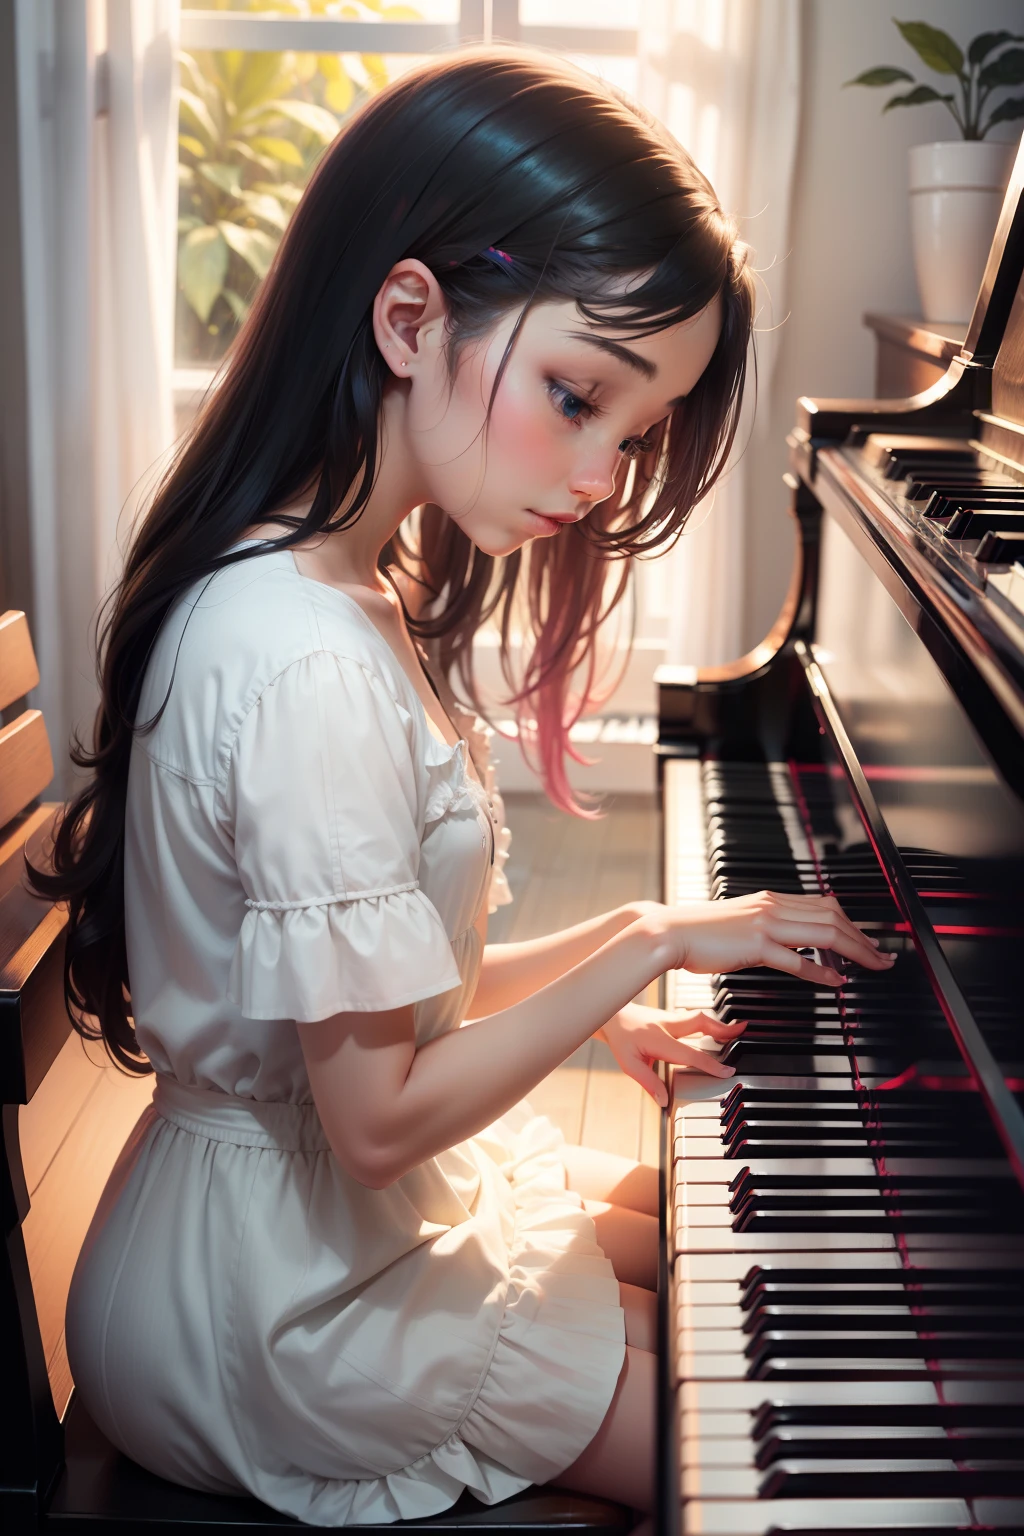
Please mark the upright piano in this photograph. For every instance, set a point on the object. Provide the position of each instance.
(842, 1289)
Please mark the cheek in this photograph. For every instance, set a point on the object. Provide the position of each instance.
(524, 437)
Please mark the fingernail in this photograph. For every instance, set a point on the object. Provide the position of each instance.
(729, 1072)
(874, 941)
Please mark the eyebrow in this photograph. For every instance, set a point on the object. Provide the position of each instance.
(641, 365)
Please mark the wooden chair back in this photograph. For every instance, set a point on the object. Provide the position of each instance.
(66, 1110)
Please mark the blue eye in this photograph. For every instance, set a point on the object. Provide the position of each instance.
(569, 406)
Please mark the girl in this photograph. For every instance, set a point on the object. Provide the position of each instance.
(340, 1263)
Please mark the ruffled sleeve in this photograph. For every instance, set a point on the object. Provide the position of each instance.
(322, 796)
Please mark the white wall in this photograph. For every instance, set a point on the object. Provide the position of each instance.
(851, 238)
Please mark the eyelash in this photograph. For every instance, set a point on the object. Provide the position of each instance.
(630, 447)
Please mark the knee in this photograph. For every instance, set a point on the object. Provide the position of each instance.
(640, 1307)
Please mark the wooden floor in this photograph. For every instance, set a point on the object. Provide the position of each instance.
(561, 871)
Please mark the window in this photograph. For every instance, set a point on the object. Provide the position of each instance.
(266, 85)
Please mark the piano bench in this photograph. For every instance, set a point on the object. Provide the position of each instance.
(103, 1490)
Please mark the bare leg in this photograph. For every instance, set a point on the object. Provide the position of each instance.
(622, 1197)
(630, 1241)
(619, 1463)
(641, 1311)
(606, 1176)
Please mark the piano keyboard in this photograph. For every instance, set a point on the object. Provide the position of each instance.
(846, 1251)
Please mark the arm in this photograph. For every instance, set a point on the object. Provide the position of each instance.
(386, 1106)
(512, 972)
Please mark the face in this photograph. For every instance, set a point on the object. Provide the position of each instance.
(574, 402)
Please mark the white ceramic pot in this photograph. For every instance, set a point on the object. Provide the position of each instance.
(956, 192)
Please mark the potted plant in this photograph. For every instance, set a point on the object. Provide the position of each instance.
(956, 186)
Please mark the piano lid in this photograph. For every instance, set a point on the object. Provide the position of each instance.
(1000, 286)
(917, 665)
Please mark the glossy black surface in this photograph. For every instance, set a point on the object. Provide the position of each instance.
(957, 822)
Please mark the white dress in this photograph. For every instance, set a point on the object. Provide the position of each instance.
(245, 1315)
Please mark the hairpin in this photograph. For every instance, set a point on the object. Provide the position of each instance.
(499, 257)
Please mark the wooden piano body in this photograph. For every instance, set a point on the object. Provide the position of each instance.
(842, 1298)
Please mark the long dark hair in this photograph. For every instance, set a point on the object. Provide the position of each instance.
(478, 149)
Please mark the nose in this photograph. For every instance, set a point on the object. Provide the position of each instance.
(593, 478)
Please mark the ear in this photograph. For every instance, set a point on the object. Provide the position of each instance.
(408, 313)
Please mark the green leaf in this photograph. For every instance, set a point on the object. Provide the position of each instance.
(339, 94)
(265, 206)
(245, 152)
(188, 221)
(933, 46)
(914, 98)
(308, 115)
(255, 248)
(202, 268)
(1008, 69)
(287, 191)
(1007, 112)
(194, 147)
(227, 177)
(259, 80)
(206, 89)
(239, 307)
(279, 149)
(984, 43)
(883, 75)
(200, 114)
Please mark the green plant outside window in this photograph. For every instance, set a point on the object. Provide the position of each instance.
(252, 127)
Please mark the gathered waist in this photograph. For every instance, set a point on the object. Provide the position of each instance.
(245, 1122)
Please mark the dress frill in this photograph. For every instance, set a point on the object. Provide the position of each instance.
(451, 786)
(555, 1363)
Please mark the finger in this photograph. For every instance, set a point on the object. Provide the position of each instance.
(801, 899)
(828, 906)
(723, 1033)
(651, 1083)
(782, 959)
(700, 1023)
(681, 1055)
(842, 940)
(825, 904)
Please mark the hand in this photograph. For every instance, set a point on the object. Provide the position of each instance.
(639, 1036)
(766, 929)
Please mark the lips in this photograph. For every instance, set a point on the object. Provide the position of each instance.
(553, 520)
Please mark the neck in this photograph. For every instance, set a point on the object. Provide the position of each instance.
(351, 555)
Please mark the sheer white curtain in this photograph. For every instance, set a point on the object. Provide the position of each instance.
(97, 116)
(724, 75)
